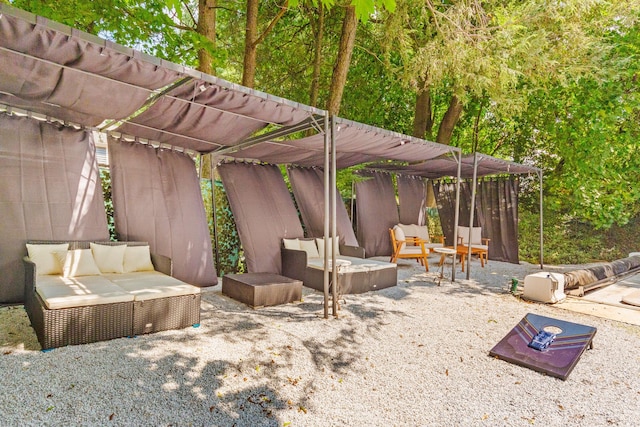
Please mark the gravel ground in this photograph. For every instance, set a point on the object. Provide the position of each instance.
(415, 354)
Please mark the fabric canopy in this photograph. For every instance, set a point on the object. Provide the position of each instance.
(263, 212)
(49, 190)
(308, 189)
(355, 143)
(448, 166)
(51, 69)
(64, 76)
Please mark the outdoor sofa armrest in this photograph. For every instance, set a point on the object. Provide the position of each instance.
(353, 251)
(294, 263)
(29, 274)
(485, 241)
(162, 263)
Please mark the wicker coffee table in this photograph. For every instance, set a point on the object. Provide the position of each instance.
(261, 289)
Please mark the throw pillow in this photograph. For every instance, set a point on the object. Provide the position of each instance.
(77, 262)
(137, 258)
(320, 242)
(110, 259)
(309, 246)
(291, 243)
(43, 257)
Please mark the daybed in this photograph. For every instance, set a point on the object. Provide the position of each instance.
(73, 298)
(302, 260)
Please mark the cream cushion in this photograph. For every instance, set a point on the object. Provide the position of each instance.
(309, 246)
(291, 243)
(476, 235)
(66, 292)
(77, 262)
(110, 259)
(351, 264)
(147, 285)
(137, 258)
(415, 230)
(320, 243)
(398, 232)
(42, 255)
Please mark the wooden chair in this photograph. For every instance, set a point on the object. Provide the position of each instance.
(422, 232)
(408, 247)
(478, 243)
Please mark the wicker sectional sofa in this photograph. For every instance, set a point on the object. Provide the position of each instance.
(90, 308)
(356, 274)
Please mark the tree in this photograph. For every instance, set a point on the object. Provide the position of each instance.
(486, 50)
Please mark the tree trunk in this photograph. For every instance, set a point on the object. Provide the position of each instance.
(250, 46)
(252, 40)
(206, 27)
(449, 121)
(423, 117)
(317, 58)
(339, 78)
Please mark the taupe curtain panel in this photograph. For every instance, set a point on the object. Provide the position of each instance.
(376, 212)
(49, 190)
(263, 211)
(445, 192)
(412, 195)
(156, 198)
(496, 212)
(308, 189)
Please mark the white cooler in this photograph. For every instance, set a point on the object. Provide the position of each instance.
(544, 287)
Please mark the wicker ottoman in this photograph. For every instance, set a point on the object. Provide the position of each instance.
(261, 289)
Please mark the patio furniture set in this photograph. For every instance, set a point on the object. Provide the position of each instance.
(79, 292)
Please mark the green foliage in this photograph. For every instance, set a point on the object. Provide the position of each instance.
(230, 253)
(105, 181)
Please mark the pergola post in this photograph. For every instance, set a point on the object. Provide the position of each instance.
(456, 216)
(473, 207)
(327, 183)
(334, 240)
(541, 222)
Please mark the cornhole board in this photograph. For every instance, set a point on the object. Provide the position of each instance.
(559, 359)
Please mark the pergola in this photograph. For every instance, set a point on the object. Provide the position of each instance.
(57, 74)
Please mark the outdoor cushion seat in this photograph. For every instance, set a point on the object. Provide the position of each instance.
(146, 285)
(65, 292)
(351, 264)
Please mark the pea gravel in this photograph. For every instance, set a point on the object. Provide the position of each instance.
(412, 355)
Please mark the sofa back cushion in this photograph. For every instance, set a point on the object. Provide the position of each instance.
(400, 237)
(476, 235)
(309, 246)
(291, 244)
(320, 243)
(77, 262)
(110, 259)
(415, 230)
(42, 255)
(137, 258)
